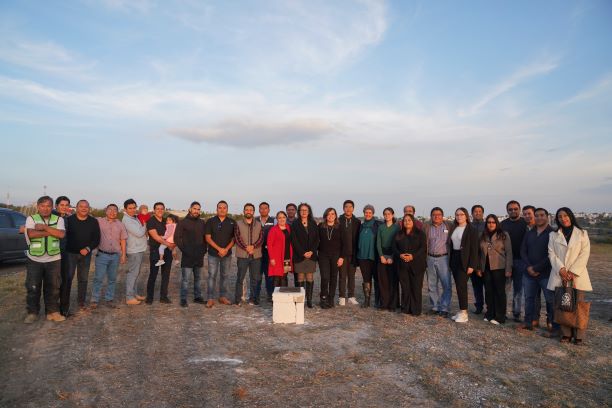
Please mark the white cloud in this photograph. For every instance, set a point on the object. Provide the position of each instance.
(507, 84)
(603, 86)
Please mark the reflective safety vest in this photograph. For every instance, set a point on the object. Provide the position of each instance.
(50, 244)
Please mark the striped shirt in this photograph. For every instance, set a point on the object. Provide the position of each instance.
(438, 237)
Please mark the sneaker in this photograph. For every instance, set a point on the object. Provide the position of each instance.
(352, 301)
(224, 301)
(495, 322)
(455, 316)
(160, 262)
(132, 302)
(183, 303)
(486, 320)
(342, 301)
(141, 298)
(210, 303)
(30, 318)
(55, 317)
(462, 317)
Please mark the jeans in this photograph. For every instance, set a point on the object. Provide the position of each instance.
(79, 264)
(254, 267)
(517, 286)
(532, 287)
(134, 261)
(267, 279)
(185, 274)
(439, 271)
(165, 274)
(41, 275)
(218, 266)
(106, 266)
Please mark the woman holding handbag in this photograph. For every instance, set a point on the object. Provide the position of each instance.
(568, 250)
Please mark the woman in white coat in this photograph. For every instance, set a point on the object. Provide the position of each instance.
(568, 249)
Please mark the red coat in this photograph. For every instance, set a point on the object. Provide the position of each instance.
(276, 251)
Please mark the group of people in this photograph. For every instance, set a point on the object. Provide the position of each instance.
(393, 256)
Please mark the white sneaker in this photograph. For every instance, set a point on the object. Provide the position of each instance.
(462, 317)
(485, 319)
(341, 301)
(495, 322)
(352, 301)
(455, 316)
(160, 262)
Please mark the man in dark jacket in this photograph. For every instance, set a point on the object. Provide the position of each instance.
(516, 227)
(189, 237)
(350, 225)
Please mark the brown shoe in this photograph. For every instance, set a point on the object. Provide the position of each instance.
(210, 303)
(132, 302)
(535, 323)
(138, 297)
(30, 318)
(224, 301)
(93, 305)
(55, 317)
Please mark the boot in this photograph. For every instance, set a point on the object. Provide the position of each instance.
(367, 291)
(309, 286)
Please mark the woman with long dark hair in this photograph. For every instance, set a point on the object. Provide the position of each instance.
(387, 272)
(494, 267)
(280, 252)
(568, 250)
(305, 241)
(332, 254)
(410, 249)
(463, 258)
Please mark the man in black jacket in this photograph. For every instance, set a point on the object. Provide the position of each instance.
(189, 237)
(350, 226)
(516, 227)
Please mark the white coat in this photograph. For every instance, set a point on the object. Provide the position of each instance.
(572, 255)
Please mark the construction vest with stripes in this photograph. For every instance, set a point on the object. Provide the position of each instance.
(49, 245)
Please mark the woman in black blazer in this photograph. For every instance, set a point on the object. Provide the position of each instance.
(463, 243)
(410, 250)
(305, 242)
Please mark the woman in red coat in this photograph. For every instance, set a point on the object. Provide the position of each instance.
(280, 251)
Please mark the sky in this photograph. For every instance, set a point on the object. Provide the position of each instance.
(439, 103)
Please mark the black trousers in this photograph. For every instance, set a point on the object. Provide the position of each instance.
(280, 281)
(79, 264)
(328, 266)
(461, 278)
(411, 281)
(495, 294)
(368, 269)
(478, 287)
(347, 278)
(389, 286)
(165, 274)
(43, 277)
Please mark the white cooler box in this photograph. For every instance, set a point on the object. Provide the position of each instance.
(288, 306)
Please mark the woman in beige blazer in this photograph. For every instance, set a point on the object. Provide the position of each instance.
(495, 267)
(568, 249)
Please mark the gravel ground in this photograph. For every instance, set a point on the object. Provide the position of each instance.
(167, 356)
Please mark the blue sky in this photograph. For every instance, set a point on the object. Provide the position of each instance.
(430, 103)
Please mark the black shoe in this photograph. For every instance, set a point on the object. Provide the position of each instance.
(269, 299)
(183, 303)
(256, 302)
(478, 310)
(517, 318)
(199, 300)
(165, 300)
(443, 314)
(149, 301)
(433, 312)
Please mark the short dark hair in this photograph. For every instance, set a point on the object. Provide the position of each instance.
(173, 218)
(112, 205)
(348, 202)
(512, 202)
(541, 209)
(222, 202)
(248, 205)
(158, 203)
(281, 212)
(82, 200)
(529, 207)
(128, 202)
(475, 206)
(194, 203)
(264, 203)
(44, 199)
(60, 199)
(436, 209)
(291, 205)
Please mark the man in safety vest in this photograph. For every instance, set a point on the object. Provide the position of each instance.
(44, 231)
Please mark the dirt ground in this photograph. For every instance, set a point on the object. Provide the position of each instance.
(168, 356)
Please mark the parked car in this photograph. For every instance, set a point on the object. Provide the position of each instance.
(12, 243)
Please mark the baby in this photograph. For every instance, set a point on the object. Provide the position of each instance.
(171, 222)
(143, 214)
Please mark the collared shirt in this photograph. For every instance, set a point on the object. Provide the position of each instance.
(136, 235)
(111, 234)
(438, 237)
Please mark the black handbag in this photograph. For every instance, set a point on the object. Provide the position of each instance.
(565, 298)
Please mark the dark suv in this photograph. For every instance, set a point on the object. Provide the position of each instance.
(12, 243)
